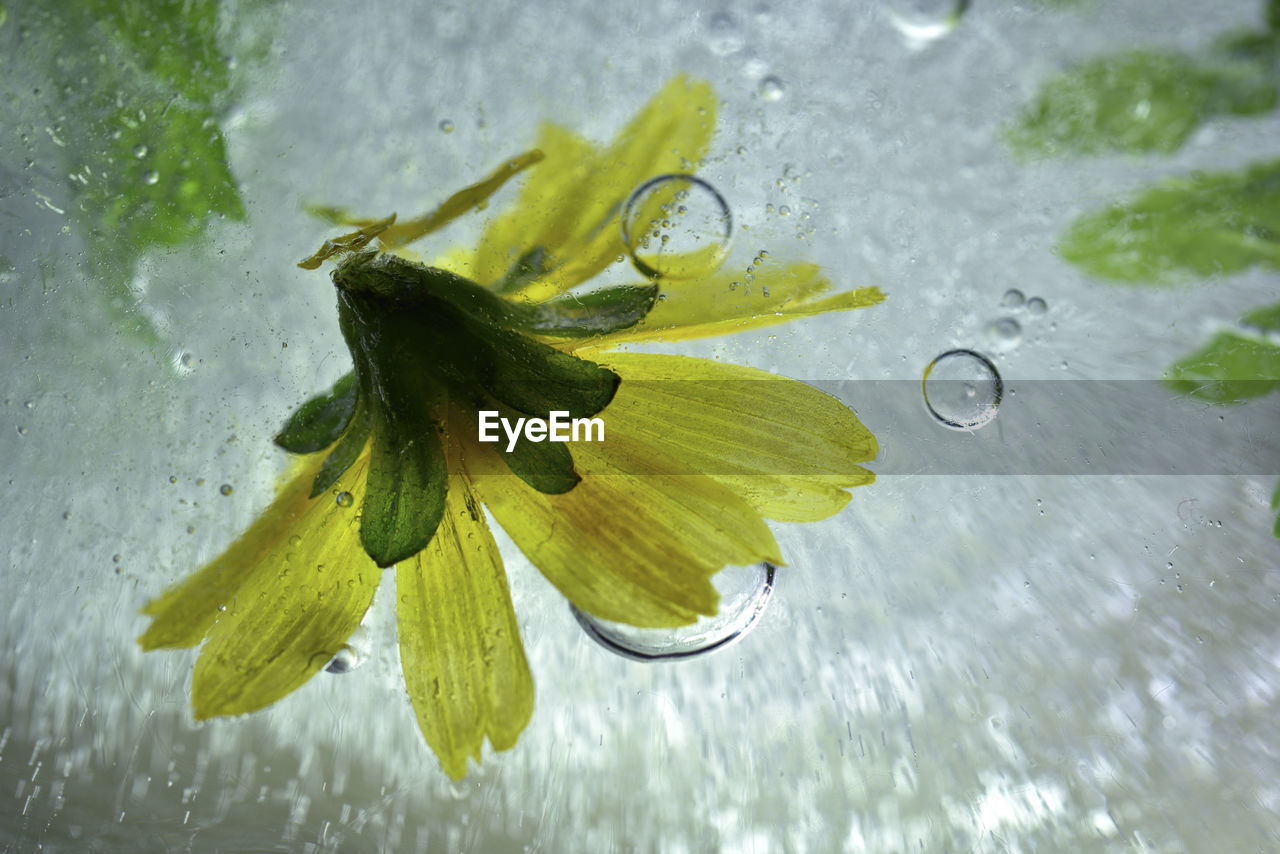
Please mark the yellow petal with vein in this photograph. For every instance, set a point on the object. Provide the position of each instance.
(184, 613)
(460, 645)
(570, 205)
(723, 303)
(636, 541)
(786, 448)
(297, 605)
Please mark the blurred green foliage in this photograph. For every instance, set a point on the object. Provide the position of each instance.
(1186, 228)
(1206, 225)
(138, 91)
(1139, 101)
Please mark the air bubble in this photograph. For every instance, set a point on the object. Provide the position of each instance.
(744, 595)
(446, 126)
(225, 489)
(1013, 298)
(345, 499)
(962, 390)
(771, 88)
(676, 227)
(1006, 333)
(139, 151)
(924, 21)
(151, 177)
(355, 653)
(1036, 307)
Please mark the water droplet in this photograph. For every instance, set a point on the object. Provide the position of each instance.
(1036, 306)
(446, 126)
(355, 653)
(1013, 298)
(151, 177)
(771, 88)
(225, 489)
(139, 151)
(1006, 333)
(947, 383)
(744, 594)
(922, 22)
(345, 499)
(676, 227)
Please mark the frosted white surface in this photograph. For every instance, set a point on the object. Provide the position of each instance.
(990, 664)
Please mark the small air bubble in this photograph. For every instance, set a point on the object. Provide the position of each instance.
(151, 177)
(771, 88)
(446, 126)
(345, 499)
(1013, 298)
(225, 489)
(1036, 307)
(139, 151)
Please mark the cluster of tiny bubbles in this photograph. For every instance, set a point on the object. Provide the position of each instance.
(922, 22)
(355, 653)
(344, 499)
(1006, 332)
(962, 390)
(676, 227)
(744, 594)
(771, 88)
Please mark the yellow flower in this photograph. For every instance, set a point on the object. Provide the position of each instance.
(697, 456)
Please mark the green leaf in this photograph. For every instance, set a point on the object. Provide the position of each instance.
(596, 312)
(1138, 102)
(135, 90)
(321, 421)
(1207, 225)
(1266, 318)
(1231, 368)
(407, 483)
(346, 452)
(1273, 15)
(1275, 505)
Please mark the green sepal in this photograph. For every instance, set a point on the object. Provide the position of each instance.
(320, 421)
(527, 269)
(546, 466)
(407, 483)
(346, 452)
(1206, 225)
(434, 323)
(535, 378)
(1231, 368)
(596, 312)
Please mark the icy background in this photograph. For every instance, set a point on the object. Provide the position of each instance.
(954, 663)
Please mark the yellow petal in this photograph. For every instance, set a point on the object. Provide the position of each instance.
(724, 303)
(570, 207)
(637, 547)
(786, 448)
(184, 613)
(459, 203)
(460, 645)
(297, 605)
